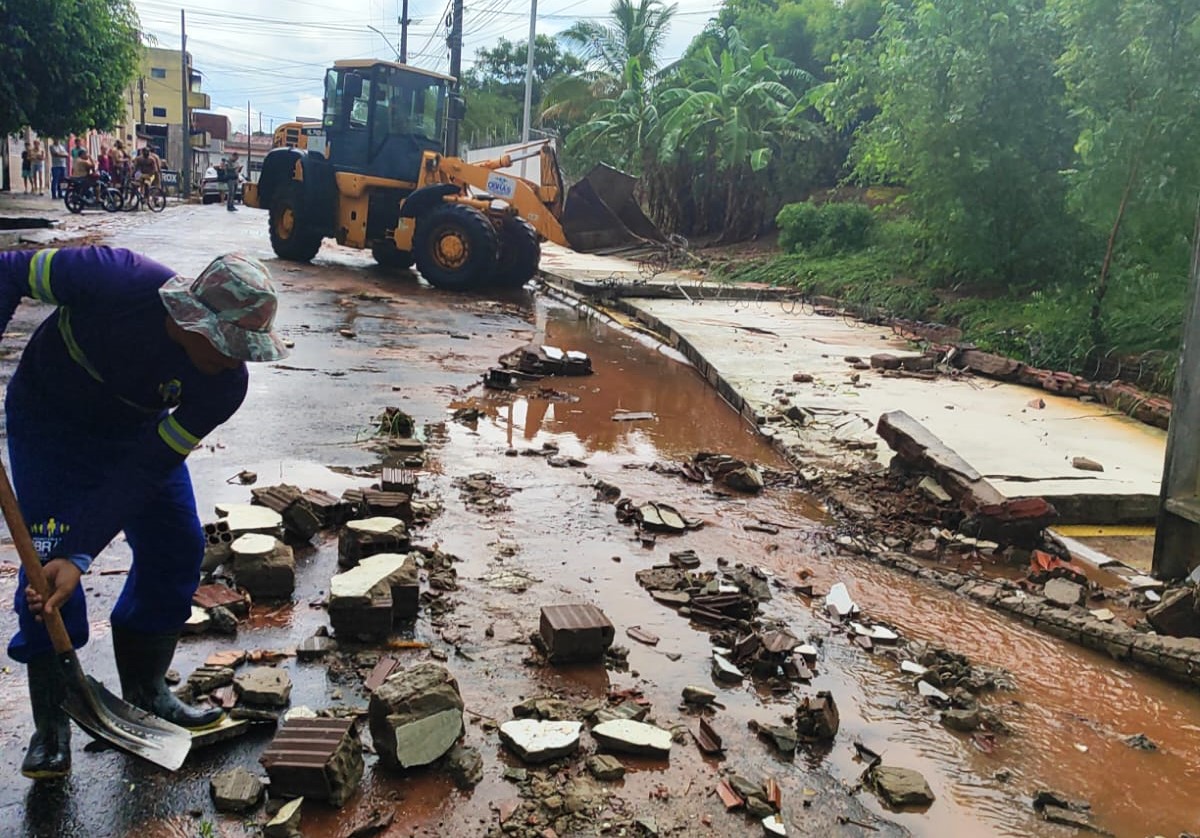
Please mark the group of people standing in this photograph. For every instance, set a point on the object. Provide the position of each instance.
(77, 162)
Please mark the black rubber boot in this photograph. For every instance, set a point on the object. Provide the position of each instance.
(49, 754)
(142, 661)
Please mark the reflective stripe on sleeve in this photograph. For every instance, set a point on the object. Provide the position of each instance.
(39, 276)
(176, 437)
(68, 336)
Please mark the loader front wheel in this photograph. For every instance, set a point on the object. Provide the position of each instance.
(456, 247)
(289, 239)
(520, 252)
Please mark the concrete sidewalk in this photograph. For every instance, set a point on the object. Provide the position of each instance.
(750, 350)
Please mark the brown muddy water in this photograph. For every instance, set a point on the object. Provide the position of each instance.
(1069, 712)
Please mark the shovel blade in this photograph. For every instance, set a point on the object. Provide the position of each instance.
(124, 726)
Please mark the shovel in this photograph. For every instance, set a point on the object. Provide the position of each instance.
(93, 707)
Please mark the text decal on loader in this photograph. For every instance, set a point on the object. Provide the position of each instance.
(501, 186)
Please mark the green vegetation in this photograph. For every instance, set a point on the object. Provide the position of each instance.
(65, 64)
(1042, 153)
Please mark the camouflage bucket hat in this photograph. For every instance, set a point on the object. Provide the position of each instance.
(232, 303)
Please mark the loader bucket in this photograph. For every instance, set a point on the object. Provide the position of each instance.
(602, 213)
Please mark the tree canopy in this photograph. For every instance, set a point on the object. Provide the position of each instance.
(65, 64)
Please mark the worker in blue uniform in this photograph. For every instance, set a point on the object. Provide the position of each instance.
(131, 370)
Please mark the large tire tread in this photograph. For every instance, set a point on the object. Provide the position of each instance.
(520, 252)
(483, 246)
(299, 246)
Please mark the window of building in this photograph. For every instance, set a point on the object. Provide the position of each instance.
(160, 111)
(158, 72)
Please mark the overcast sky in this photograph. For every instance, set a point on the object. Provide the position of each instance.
(273, 53)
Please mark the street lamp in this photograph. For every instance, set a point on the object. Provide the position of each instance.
(385, 38)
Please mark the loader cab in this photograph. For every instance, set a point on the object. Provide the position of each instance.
(381, 117)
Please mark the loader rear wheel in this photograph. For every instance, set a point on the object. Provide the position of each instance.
(520, 252)
(289, 239)
(388, 256)
(456, 247)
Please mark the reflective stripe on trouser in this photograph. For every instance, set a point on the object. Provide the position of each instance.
(54, 468)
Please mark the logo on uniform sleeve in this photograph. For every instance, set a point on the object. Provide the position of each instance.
(171, 391)
(47, 535)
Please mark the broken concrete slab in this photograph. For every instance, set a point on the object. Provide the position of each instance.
(265, 686)
(415, 716)
(236, 790)
(901, 786)
(744, 479)
(242, 518)
(626, 736)
(1063, 592)
(264, 566)
(575, 633)
(783, 738)
(366, 600)
(1177, 615)
(838, 602)
(725, 671)
(198, 622)
(536, 741)
(317, 758)
(286, 822)
(371, 536)
(773, 825)
(315, 648)
(205, 679)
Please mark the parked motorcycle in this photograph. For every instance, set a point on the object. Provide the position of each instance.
(91, 193)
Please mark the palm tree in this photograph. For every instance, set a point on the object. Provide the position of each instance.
(726, 120)
(619, 52)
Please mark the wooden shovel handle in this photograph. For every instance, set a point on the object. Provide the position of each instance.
(31, 562)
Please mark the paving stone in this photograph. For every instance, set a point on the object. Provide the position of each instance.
(630, 737)
(366, 600)
(317, 758)
(242, 518)
(415, 716)
(901, 786)
(265, 686)
(605, 767)
(371, 536)
(1063, 592)
(236, 790)
(286, 822)
(540, 741)
(575, 633)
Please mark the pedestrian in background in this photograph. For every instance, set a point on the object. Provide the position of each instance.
(37, 168)
(59, 155)
(78, 148)
(104, 162)
(232, 167)
(26, 158)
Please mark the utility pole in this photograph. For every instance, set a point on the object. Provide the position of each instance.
(404, 22)
(185, 168)
(142, 107)
(248, 145)
(455, 42)
(529, 81)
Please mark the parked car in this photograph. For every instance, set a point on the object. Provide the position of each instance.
(212, 190)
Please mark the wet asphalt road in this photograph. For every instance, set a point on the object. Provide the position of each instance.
(307, 421)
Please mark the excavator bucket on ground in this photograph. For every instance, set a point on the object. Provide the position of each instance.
(602, 214)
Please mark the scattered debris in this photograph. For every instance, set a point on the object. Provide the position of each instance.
(464, 764)
(605, 768)
(698, 696)
(315, 757)
(1178, 614)
(642, 636)
(707, 738)
(264, 686)
(725, 671)
(540, 741)
(286, 822)
(729, 797)
(370, 536)
(236, 790)
(1140, 742)
(817, 718)
(838, 602)
(264, 566)
(415, 716)
(1063, 592)
(633, 416)
(1086, 464)
(365, 601)
(900, 786)
(572, 633)
(627, 736)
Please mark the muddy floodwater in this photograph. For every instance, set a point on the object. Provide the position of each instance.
(424, 351)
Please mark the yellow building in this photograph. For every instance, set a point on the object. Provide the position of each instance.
(154, 103)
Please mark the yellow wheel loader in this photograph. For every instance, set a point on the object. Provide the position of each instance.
(378, 178)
